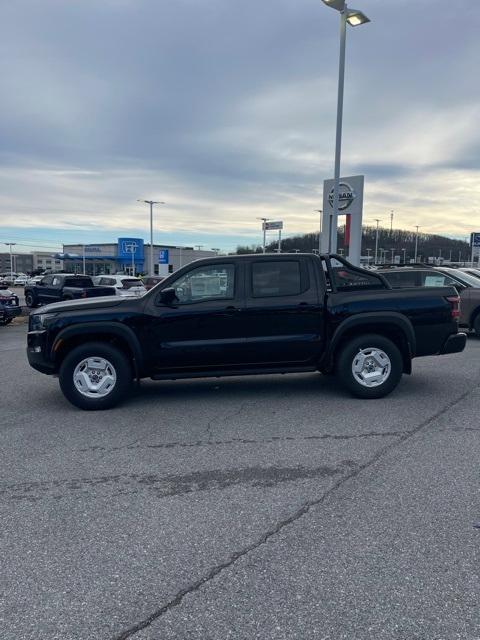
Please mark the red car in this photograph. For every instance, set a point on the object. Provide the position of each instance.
(151, 281)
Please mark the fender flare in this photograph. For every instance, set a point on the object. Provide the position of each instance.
(387, 318)
(108, 328)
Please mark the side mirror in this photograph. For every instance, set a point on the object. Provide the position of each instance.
(168, 296)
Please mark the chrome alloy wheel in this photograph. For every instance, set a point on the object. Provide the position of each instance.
(94, 377)
(371, 367)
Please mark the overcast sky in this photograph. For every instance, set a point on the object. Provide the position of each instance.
(225, 109)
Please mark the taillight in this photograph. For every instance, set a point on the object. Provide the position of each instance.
(454, 307)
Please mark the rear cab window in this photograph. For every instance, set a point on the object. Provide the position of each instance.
(82, 283)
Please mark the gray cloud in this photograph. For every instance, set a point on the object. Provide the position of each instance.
(227, 109)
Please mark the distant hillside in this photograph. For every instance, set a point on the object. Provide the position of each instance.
(398, 239)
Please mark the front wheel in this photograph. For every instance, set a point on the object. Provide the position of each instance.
(95, 376)
(370, 366)
(30, 300)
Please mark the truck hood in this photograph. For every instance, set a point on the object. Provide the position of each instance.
(85, 304)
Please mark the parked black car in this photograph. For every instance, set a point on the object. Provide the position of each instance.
(237, 315)
(62, 286)
(9, 306)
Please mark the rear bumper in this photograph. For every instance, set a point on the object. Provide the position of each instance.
(454, 343)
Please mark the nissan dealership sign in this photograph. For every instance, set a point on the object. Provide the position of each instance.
(350, 195)
(346, 196)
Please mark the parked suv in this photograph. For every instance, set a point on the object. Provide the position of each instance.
(239, 315)
(124, 285)
(467, 285)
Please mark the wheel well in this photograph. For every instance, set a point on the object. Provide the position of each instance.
(392, 332)
(474, 315)
(65, 346)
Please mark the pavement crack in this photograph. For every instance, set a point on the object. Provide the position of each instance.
(272, 440)
(279, 526)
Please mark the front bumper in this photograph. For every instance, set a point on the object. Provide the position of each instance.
(454, 343)
(10, 311)
(36, 352)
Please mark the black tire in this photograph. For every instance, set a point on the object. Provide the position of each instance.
(476, 326)
(116, 358)
(30, 300)
(5, 321)
(350, 352)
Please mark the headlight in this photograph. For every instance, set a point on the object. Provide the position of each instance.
(39, 321)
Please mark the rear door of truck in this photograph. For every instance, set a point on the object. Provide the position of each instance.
(283, 318)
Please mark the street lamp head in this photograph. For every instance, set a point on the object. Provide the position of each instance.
(339, 5)
(356, 18)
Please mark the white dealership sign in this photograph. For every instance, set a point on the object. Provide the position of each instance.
(350, 202)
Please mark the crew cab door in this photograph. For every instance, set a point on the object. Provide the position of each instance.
(283, 318)
(47, 290)
(202, 329)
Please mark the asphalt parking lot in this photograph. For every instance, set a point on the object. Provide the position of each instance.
(266, 507)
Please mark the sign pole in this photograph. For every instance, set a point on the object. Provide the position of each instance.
(279, 241)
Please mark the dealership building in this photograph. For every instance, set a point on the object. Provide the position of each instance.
(127, 255)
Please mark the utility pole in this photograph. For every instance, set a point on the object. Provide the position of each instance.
(376, 241)
(393, 253)
(416, 241)
(11, 244)
(404, 258)
(151, 203)
(264, 227)
(368, 255)
(391, 222)
(319, 211)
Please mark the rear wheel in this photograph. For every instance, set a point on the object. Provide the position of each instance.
(476, 326)
(95, 376)
(370, 366)
(30, 300)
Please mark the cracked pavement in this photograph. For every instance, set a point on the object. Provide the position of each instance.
(263, 507)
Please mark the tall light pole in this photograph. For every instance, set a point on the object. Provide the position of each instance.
(391, 222)
(377, 220)
(11, 244)
(264, 227)
(151, 203)
(393, 253)
(354, 18)
(417, 227)
(320, 211)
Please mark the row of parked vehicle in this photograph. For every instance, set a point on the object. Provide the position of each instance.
(56, 287)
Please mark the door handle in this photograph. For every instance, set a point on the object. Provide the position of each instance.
(231, 310)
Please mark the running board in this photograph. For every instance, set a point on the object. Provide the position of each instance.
(229, 372)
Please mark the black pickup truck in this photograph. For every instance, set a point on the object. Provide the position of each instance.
(63, 286)
(237, 315)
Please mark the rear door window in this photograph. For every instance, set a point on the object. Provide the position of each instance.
(275, 278)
